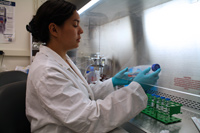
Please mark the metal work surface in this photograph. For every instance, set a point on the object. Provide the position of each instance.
(143, 123)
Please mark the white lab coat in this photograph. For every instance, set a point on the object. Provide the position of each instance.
(59, 100)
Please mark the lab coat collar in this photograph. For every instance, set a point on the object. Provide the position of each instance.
(52, 54)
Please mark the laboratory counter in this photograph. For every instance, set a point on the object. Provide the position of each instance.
(143, 123)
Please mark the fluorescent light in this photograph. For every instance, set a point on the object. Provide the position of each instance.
(87, 6)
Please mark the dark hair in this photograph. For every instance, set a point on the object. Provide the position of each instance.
(52, 11)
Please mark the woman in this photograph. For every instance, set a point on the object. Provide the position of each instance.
(58, 98)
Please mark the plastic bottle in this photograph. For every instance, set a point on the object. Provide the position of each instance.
(97, 73)
(135, 70)
(91, 75)
(87, 76)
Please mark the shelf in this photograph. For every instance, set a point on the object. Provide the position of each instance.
(16, 53)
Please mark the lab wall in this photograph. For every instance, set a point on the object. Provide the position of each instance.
(167, 34)
(17, 53)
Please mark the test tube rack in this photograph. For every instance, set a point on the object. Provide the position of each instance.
(162, 112)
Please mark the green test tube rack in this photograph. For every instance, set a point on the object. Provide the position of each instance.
(162, 109)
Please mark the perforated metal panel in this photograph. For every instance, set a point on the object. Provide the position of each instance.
(187, 100)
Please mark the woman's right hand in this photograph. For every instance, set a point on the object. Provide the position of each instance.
(147, 80)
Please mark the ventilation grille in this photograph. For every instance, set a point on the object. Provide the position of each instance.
(183, 101)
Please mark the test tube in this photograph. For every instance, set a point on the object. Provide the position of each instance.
(158, 102)
(153, 100)
(168, 105)
(167, 108)
(149, 100)
(162, 103)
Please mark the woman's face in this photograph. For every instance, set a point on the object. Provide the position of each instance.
(69, 34)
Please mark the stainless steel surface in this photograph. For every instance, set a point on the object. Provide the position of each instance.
(150, 125)
(109, 10)
(140, 32)
(131, 128)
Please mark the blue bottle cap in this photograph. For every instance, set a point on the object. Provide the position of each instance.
(162, 97)
(157, 96)
(87, 71)
(167, 99)
(153, 95)
(155, 67)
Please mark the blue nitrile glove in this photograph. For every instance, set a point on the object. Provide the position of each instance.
(147, 80)
(121, 78)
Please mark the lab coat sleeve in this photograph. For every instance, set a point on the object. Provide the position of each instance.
(102, 89)
(60, 97)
